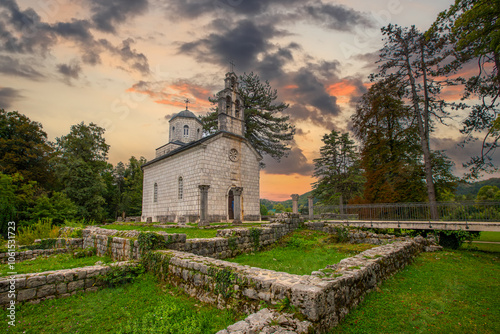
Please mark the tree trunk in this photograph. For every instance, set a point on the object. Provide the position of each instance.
(424, 143)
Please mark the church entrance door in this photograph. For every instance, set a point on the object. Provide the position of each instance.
(230, 205)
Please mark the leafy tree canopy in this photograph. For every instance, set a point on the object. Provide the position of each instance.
(24, 148)
(338, 170)
(81, 163)
(472, 28)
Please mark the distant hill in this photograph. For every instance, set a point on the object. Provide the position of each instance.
(470, 190)
(288, 203)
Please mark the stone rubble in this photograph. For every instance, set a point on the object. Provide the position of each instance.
(269, 321)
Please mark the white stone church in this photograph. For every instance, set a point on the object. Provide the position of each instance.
(204, 179)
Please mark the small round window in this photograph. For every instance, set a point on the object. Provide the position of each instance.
(233, 155)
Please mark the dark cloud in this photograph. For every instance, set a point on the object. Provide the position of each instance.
(295, 163)
(16, 67)
(359, 90)
(301, 132)
(460, 154)
(272, 63)
(70, 71)
(107, 14)
(370, 59)
(137, 60)
(335, 17)
(311, 90)
(190, 9)
(242, 42)
(23, 32)
(7, 96)
(300, 113)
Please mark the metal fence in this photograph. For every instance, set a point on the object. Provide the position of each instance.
(448, 211)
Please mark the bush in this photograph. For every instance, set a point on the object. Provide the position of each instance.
(43, 229)
(84, 252)
(79, 222)
(121, 275)
(58, 207)
(455, 239)
(149, 241)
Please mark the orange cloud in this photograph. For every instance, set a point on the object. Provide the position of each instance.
(343, 90)
(278, 187)
(175, 94)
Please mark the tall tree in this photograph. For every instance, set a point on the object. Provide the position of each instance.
(24, 148)
(390, 149)
(267, 129)
(472, 27)
(81, 162)
(337, 169)
(412, 58)
(130, 181)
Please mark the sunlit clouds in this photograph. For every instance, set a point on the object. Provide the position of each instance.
(127, 65)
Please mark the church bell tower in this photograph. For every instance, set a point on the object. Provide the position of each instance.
(231, 116)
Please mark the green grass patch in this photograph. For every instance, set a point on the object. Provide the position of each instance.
(54, 262)
(490, 248)
(301, 253)
(191, 233)
(442, 292)
(141, 307)
(490, 236)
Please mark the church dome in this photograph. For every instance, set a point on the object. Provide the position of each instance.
(184, 113)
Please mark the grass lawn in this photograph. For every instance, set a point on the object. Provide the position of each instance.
(301, 253)
(141, 307)
(441, 292)
(490, 248)
(191, 233)
(490, 236)
(54, 262)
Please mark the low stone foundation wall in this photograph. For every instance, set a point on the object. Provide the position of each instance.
(324, 298)
(53, 284)
(355, 236)
(123, 245)
(59, 246)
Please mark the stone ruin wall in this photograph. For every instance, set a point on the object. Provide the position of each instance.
(54, 284)
(355, 236)
(324, 297)
(62, 245)
(123, 245)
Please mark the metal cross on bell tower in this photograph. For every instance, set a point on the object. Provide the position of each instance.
(187, 103)
(231, 62)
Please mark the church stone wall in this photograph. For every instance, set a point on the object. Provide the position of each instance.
(165, 173)
(222, 174)
(205, 164)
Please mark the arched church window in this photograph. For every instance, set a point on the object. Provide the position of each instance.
(181, 187)
(186, 130)
(155, 193)
(233, 82)
(237, 108)
(228, 105)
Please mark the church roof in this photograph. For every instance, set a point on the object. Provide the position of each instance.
(193, 144)
(184, 113)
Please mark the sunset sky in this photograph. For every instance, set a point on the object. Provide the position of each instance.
(127, 65)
